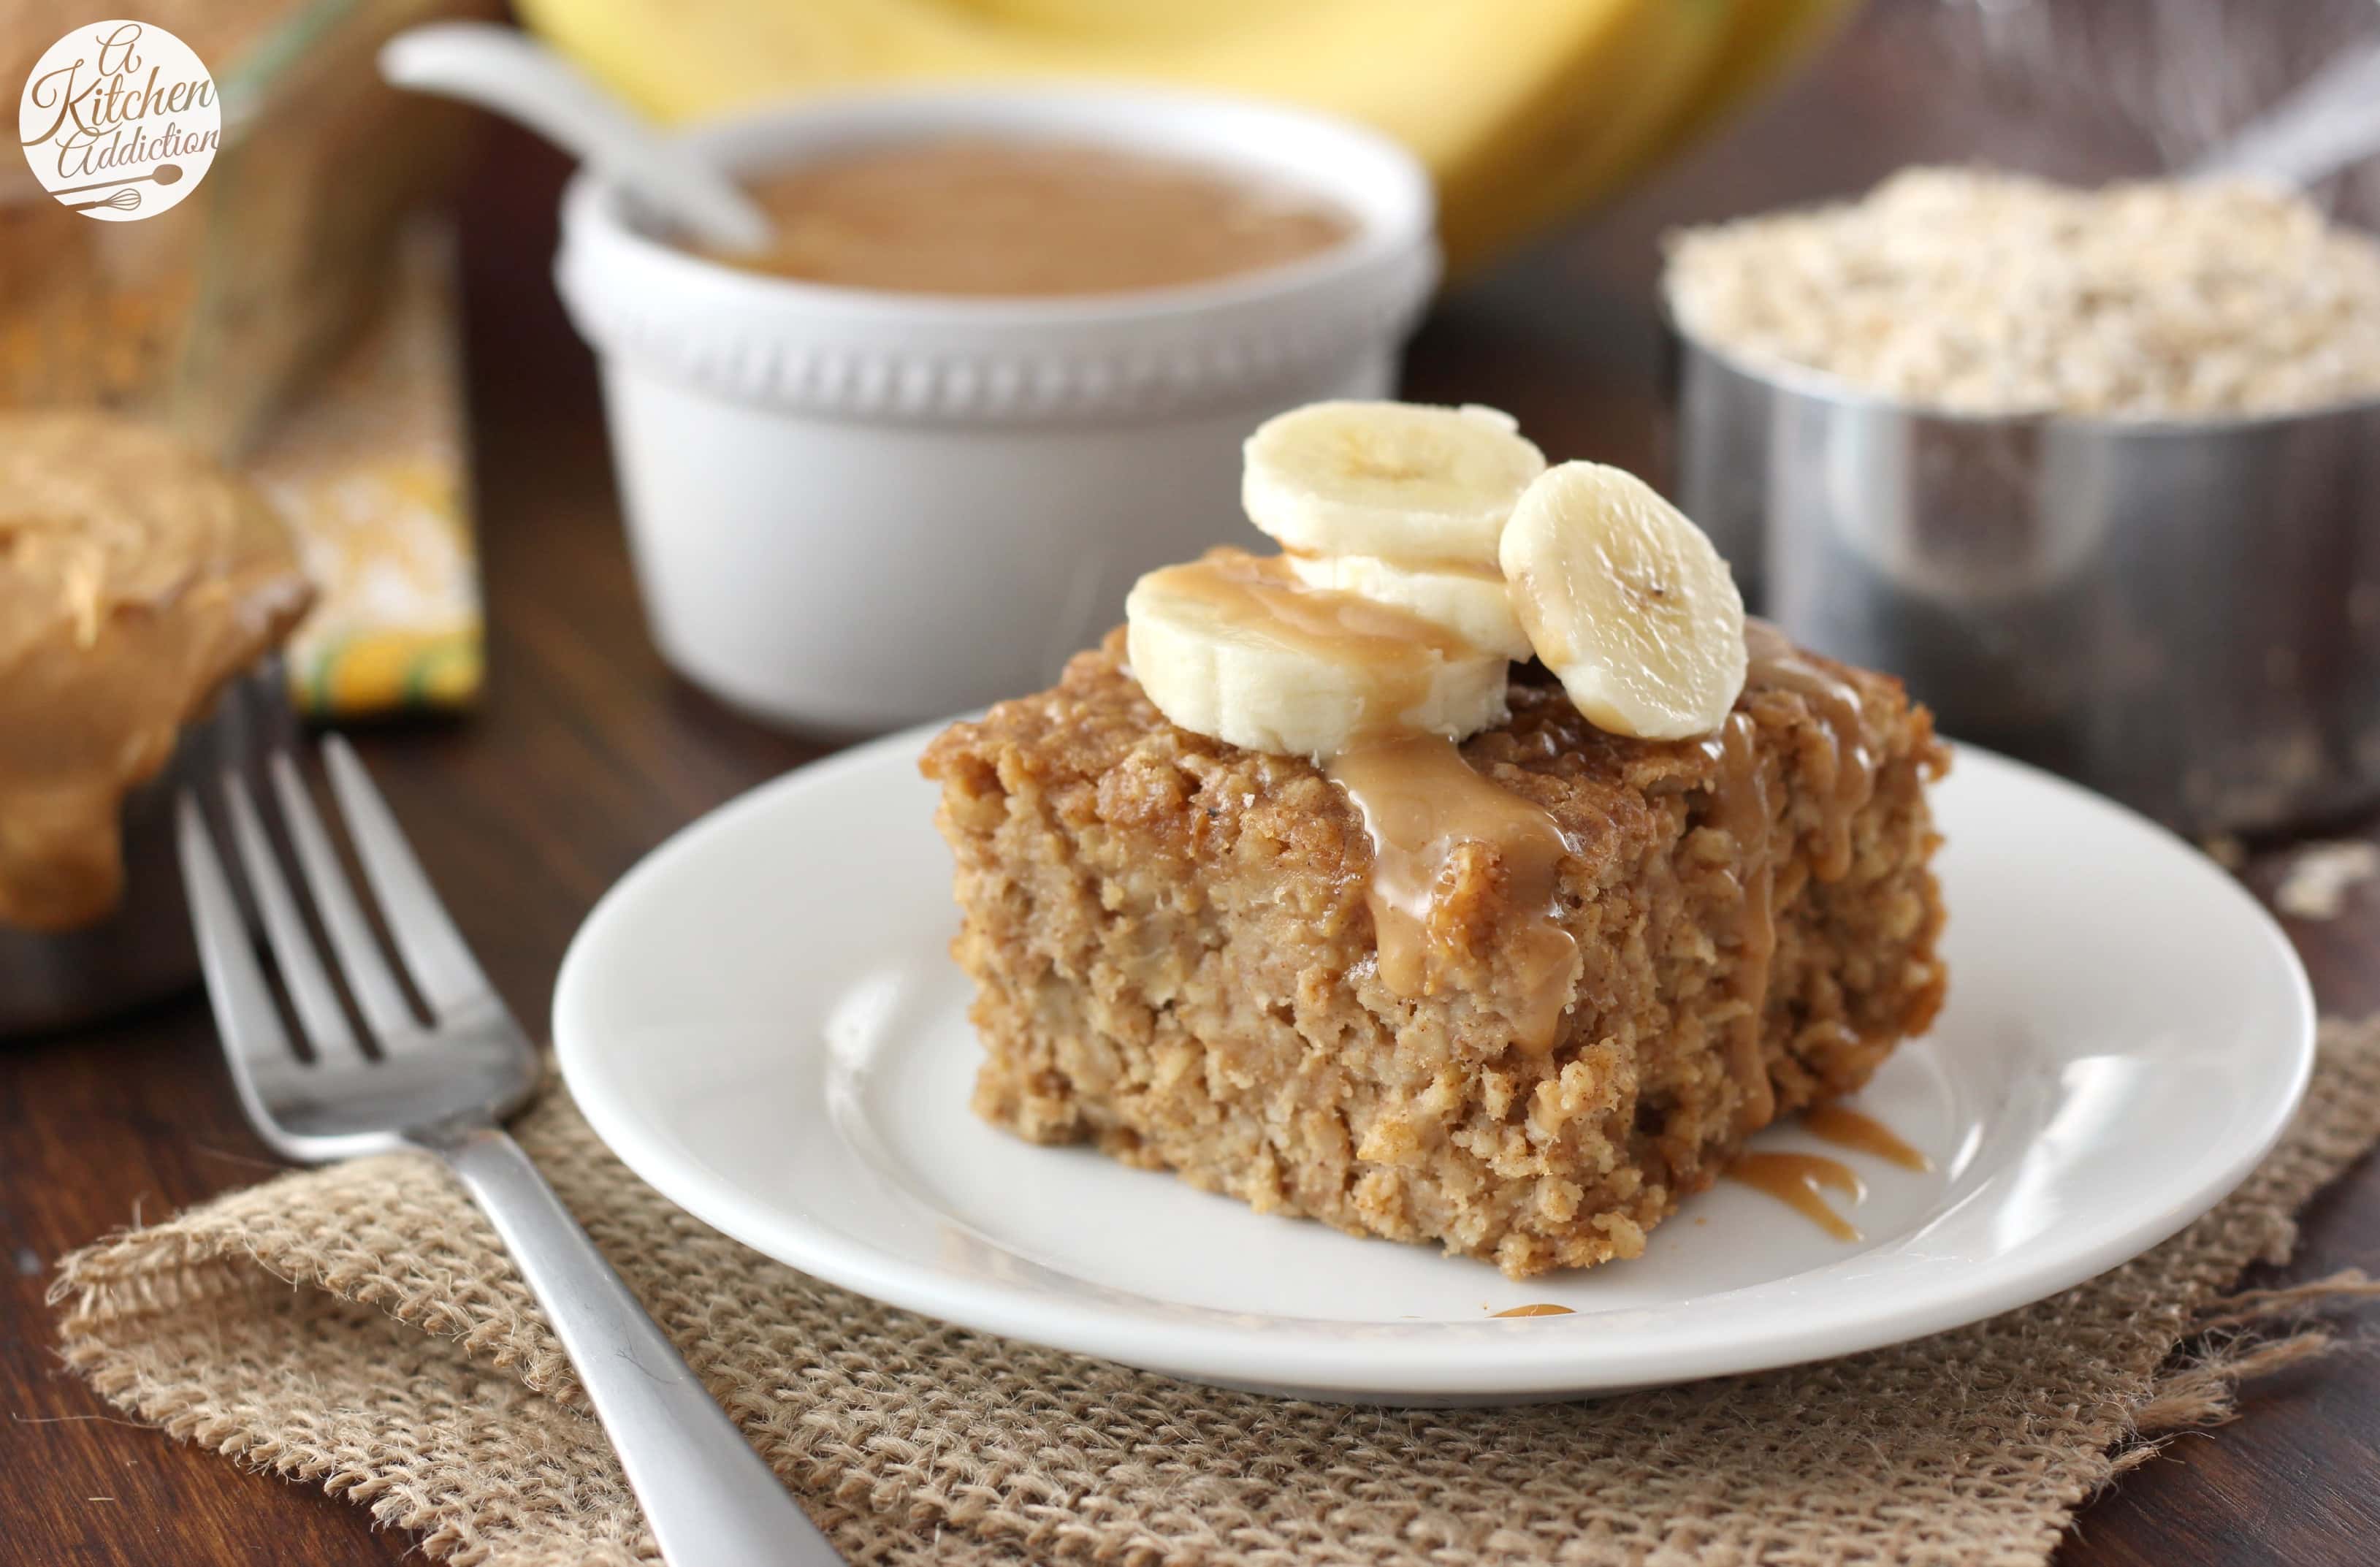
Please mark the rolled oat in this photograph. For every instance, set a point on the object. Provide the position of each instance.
(1974, 291)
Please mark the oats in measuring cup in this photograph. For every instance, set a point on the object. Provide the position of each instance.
(1974, 291)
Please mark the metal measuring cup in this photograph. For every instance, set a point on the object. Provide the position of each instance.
(2184, 615)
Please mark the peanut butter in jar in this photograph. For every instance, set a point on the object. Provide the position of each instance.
(136, 580)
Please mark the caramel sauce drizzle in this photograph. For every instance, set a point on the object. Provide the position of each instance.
(1447, 566)
(1537, 1308)
(1421, 803)
(1260, 597)
(1741, 808)
(1848, 780)
(1831, 1122)
(1800, 1182)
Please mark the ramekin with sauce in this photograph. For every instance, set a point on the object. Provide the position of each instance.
(853, 507)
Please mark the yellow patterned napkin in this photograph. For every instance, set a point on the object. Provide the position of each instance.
(372, 471)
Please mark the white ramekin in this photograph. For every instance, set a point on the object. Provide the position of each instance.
(853, 509)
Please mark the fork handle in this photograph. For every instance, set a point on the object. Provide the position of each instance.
(711, 1500)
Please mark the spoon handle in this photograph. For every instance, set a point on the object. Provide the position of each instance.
(2332, 121)
(504, 69)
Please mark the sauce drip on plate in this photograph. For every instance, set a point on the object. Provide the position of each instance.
(1839, 1124)
(1800, 1181)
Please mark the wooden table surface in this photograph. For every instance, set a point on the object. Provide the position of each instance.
(588, 752)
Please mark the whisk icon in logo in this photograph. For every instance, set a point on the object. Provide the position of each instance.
(119, 120)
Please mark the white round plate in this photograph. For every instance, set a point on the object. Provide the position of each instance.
(763, 1020)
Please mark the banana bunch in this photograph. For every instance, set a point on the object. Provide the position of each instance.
(1424, 547)
(1525, 110)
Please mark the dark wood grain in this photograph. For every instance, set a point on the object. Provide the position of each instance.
(588, 752)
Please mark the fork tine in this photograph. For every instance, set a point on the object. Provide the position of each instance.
(442, 967)
(302, 975)
(353, 947)
(253, 1040)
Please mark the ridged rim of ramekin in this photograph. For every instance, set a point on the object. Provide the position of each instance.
(866, 353)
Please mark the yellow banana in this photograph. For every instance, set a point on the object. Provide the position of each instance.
(1521, 109)
(1577, 149)
(1767, 39)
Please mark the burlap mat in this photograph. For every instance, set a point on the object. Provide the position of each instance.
(357, 1326)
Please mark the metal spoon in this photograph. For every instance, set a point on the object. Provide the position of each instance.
(504, 69)
(2332, 121)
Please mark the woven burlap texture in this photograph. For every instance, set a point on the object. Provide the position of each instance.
(357, 1326)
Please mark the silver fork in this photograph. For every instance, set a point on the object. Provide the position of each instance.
(444, 1086)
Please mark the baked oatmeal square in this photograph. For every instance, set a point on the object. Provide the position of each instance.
(1177, 958)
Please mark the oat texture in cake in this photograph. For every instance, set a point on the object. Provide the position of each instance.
(1311, 896)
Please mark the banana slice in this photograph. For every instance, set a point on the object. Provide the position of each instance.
(1472, 604)
(1399, 480)
(1234, 647)
(1627, 601)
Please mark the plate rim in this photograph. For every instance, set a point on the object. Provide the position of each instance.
(1317, 1357)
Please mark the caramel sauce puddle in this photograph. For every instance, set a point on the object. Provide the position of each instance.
(1800, 1181)
(1846, 1128)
